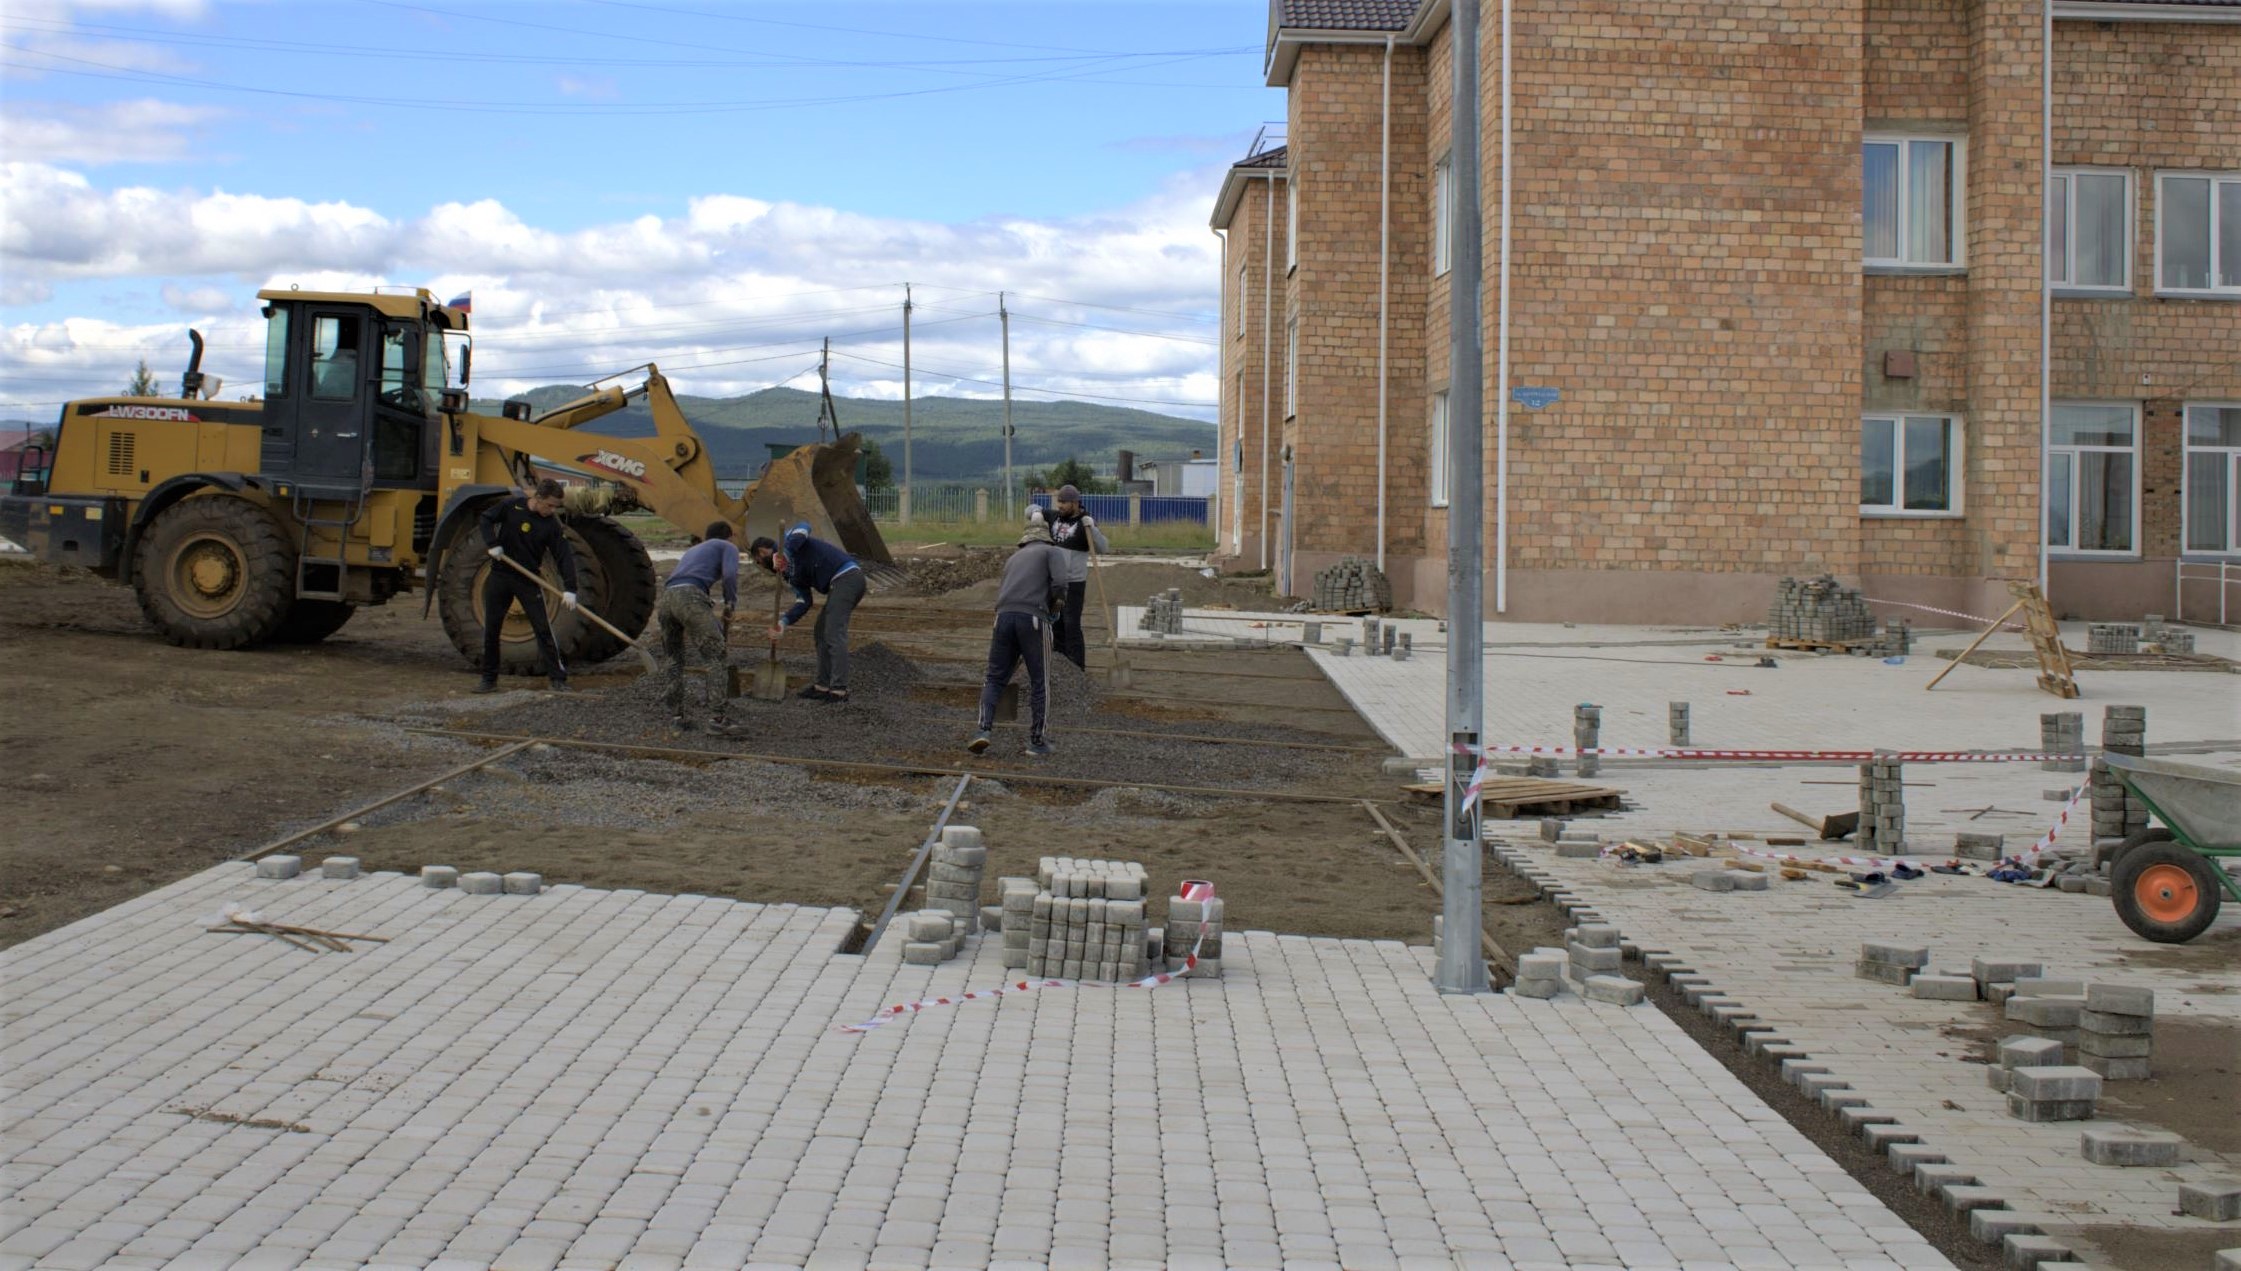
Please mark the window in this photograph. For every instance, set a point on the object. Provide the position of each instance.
(1443, 214)
(1438, 475)
(2198, 233)
(1908, 465)
(1291, 368)
(2089, 231)
(334, 357)
(1241, 293)
(1912, 192)
(2092, 482)
(1291, 220)
(276, 352)
(2212, 487)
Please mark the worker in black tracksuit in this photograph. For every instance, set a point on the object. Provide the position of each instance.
(522, 531)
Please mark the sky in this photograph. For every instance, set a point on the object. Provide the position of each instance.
(715, 187)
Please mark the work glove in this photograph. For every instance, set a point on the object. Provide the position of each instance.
(1035, 513)
(1086, 521)
(497, 553)
(568, 600)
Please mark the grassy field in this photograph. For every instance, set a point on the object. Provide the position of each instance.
(1164, 537)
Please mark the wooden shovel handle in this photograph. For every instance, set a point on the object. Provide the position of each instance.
(545, 583)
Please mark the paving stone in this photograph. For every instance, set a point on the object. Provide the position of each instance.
(1883, 973)
(1945, 988)
(923, 953)
(2119, 1069)
(1993, 1223)
(2120, 999)
(482, 883)
(1964, 1198)
(1611, 988)
(339, 868)
(2029, 1052)
(2023, 1109)
(1747, 880)
(2108, 1025)
(1540, 966)
(1595, 935)
(2110, 1047)
(1895, 953)
(1712, 880)
(2046, 1012)
(2030, 1251)
(2000, 970)
(279, 866)
(2056, 1082)
(2218, 1200)
(439, 876)
(1542, 989)
(523, 883)
(2048, 986)
(2130, 1147)
(2227, 1260)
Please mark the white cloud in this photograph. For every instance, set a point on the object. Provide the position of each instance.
(144, 131)
(729, 296)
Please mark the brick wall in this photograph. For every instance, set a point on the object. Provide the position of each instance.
(1256, 237)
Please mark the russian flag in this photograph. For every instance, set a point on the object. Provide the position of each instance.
(464, 302)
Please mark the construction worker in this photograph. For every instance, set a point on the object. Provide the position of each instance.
(812, 565)
(522, 531)
(1075, 532)
(1031, 590)
(687, 613)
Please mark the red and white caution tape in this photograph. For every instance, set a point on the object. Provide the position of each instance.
(2046, 840)
(1853, 756)
(901, 1009)
(1949, 613)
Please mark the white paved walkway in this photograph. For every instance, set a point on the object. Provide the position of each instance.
(603, 1079)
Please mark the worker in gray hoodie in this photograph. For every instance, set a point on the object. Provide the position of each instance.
(1031, 590)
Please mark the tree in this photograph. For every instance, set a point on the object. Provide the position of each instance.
(143, 382)
(1073, 472)
(879, 470)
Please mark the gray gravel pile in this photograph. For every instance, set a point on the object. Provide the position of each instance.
(1133, 801)
(883, 722)
(935, 577)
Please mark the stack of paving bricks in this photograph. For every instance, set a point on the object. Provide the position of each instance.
(2021, 1052)
(1890, 961)
(935, 936)
(1352, 584)
(1086, 920)
(482, 883)
(2115, 1031)
(1587, 734)
(1592, 956)
(1677, 723)
(1540, 974)
(2112, 637)
(954, 883)
(2062, 733)
(1195, 926)
(2044, 1004)
(2155, 637)
(1163, 613)
(2116, 812)
(1821, 611)
(2055, 1092)
(1882, 804)
(1971, 845)
(1017, 918)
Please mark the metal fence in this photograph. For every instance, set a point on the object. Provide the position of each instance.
(1139, 509)
(959, 504)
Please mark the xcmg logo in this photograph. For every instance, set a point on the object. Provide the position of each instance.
(622, 465)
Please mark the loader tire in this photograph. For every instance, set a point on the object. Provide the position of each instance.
(215, 572)
(632, 586)
(310, 621)
(459, 596)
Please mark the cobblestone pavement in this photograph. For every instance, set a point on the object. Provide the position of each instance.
(596, 1079)
(1783, 957)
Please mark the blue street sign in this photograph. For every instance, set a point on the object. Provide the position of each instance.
(1534, 398)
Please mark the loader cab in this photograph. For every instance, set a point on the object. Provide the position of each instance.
(352, 389)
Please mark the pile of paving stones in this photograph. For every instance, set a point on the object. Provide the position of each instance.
(953, 883)
(1163, 613)
(2156, 637)
(1882, 805)
(2116, 1031)
(2152, 636)
(1194, 926)
(1350, 586)
(2112, 637)
(1824, 611)
(935, 937)
(1892, 962)
(2117, 813)
(1086, 920)
(2062, 733)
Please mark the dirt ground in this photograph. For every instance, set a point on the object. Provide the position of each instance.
(143, 763)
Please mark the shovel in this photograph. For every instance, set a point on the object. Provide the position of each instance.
(1120, 675)
(770, 677)
(596, 620)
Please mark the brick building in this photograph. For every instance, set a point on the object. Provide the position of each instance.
(1788, 264)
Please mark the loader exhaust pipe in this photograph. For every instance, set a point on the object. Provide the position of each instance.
(190, 384)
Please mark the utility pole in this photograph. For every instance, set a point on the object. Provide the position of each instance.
(1004, 316)
(905, 501)
(825, 412)
(1462, 967)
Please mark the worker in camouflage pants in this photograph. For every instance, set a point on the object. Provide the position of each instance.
(687, 614)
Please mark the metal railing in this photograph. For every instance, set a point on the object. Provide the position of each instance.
(2226, 574)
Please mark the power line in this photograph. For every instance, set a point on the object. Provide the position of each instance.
(1154, 335)
(1059, 392)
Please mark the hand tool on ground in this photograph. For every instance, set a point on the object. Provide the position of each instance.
(1836, 825)
(770, 677)
(1121, 672)
(597, 621)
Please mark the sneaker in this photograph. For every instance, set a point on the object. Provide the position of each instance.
(726, 728)
(814, 693)
(1040, 747)
(681, 723)
(980, 742)
(558, 686)
(486, 686)
(834, 697)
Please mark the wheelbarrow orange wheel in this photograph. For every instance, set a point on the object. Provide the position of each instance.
(2166, 892)
(2111, 851)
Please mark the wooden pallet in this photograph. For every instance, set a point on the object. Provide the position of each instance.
(1507, 798)
(2056, 675)
(1810, 646)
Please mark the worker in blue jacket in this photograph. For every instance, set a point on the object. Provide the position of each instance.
(812, 565)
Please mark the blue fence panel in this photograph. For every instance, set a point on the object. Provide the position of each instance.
(1174, 508)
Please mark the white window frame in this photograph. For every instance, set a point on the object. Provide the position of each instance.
(1957, 214)
(1243, 291)
(2187, 451)
(1443, 215)
(2162, 204)
(2062, 262)
(1896, 509)
(2047, 476)
(1291, 367)
(1291, 221)
(1437, 481)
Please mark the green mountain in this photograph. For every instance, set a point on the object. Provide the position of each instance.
(952, 438)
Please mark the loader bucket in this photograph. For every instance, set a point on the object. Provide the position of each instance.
(817, 484)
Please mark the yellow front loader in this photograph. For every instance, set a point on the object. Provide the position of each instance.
(360, 474)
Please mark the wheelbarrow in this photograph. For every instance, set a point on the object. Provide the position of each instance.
(2168, 880)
